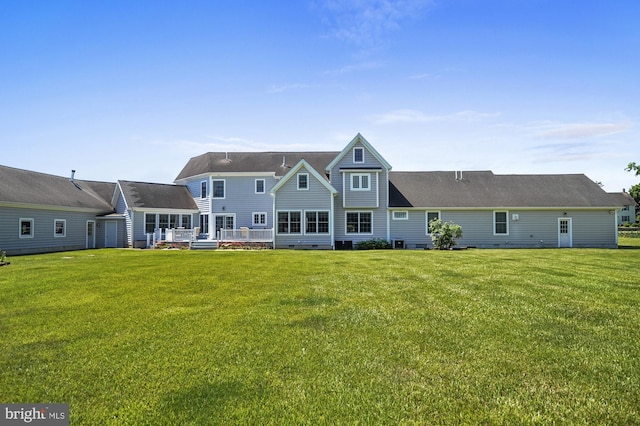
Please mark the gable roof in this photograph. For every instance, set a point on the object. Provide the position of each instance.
(278, 163)
(483, 189)
(156, 196)
(296, 169)
(347, 150)
(25, 187)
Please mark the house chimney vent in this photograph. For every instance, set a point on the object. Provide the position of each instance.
(73, 174)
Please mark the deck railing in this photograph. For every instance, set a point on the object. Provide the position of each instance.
(246, 234)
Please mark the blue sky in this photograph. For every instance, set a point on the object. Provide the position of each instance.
(133, 89)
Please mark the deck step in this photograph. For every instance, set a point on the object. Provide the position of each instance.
(204, 245)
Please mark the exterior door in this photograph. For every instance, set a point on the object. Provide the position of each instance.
(91, 234)
(564, 233)
(224, 221)
(111, 234)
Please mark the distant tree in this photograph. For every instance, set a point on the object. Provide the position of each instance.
(635, 189)
(444, 234)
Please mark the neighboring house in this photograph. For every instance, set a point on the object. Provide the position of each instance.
(42, 213)
(627, 213)
(323, 200)
(336, 199)
(150, 208)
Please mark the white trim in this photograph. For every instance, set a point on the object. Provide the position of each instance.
(359, 139)
(426, 218)
(55, 228)
(359, 212)
(253, 218)
(93, 235)
(360, 186)
(31, 227)
(277, 222)
(224, 189)
(298, 175)
(295, 170)
(506, 212)
(206, 189)
(361, 148)
(405, 216)
(264, 186)
(569, 231)
(304, 231)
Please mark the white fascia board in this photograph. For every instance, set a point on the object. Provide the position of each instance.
(367, 145)
(165, 210)
(47, 207)
(295, 169)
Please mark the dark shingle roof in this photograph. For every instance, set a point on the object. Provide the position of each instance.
(483, 189)
(33, 188)
(238, 162)
(622, 198)
(157, 195)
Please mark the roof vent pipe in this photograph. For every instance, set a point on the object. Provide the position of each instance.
(73, 174)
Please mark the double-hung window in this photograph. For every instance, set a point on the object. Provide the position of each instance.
(431, 216)
(360, 182)
(500, 223)
(26, 228)
(359, 223)
(303, 181)
(260, 186)
(289, 222)
(59, 228)
(358, 155)
(317, 222)
(218, 188)
(203, 189)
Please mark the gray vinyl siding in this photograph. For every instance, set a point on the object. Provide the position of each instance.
(241, 199)
(290, 198)
(43, 230)
(121, 208)
(379, 187)
(204, 204)
(534, 228)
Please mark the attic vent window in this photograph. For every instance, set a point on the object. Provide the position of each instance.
(358, 155)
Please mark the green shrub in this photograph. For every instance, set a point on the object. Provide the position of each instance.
(444, 234)
(373, 244)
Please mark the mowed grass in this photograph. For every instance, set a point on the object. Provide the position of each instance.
(319, 337)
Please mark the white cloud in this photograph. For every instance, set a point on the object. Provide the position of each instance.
(415, 116)
(582, 130)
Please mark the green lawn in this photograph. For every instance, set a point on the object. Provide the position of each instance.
(319, 337)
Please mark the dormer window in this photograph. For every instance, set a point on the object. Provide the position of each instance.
(358, 155)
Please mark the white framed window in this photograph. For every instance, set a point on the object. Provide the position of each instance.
(500, 223)
(59, 228)
(359, 223)
(204, 223)
(26, 229)
(185, 221)
(203, 189)
(431, 216)
(260, 188)
(259, 218)
(219, 188)
(358, 155)
(289, 222)
(303, 181)
(360, 181)
(316, 222)
(400, 215)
